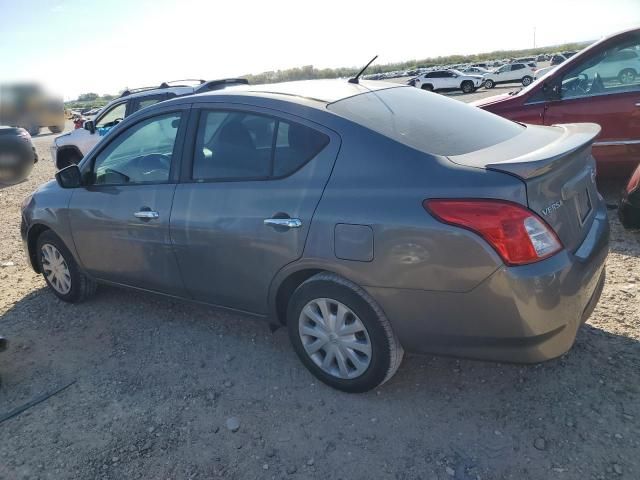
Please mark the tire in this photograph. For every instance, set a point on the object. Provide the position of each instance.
(626, 76)
(56, 128)
(80, 288)
(467, 87)
(428, 87)
(370, 329)
(33, 130)
(526, 81)
(489, 84)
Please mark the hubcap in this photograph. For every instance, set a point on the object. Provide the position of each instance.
(526, 82)
(55, 269)
(334, 338)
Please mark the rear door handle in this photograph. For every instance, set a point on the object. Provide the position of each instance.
(283, 222)
(146, 214)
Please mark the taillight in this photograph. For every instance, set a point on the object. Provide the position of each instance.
(516, 233)
(634, 181)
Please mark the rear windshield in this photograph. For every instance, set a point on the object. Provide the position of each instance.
(426, 121)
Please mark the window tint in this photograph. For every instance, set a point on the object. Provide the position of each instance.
(147, 102)
(517, 66)
(295, 146)
(236, 145)
(141, 154)
(113, 116)
(429, 123)
(616, 70)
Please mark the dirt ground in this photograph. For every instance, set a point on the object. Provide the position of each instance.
(157, 380)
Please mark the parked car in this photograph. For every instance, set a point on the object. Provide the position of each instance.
(577, 91)
(510, 73)
(71, 147)
(629, 207)
(370, 218)
(17, 155)
(447, 80)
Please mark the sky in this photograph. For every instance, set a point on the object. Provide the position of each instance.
(75, 46)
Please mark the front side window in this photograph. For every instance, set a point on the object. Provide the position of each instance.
(113, 116)
(616, 70)
(238, 145)
(504, 68)
(141, 154)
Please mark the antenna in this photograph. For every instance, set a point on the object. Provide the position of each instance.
(357, 77)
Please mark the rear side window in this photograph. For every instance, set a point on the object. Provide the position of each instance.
(517, 66)
(427, 122)
(242, 146)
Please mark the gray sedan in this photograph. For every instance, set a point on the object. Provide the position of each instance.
(369, 218)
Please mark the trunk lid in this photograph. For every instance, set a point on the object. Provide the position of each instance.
(558, 170)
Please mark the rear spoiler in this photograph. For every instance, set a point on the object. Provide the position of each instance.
(575, 137)
(212, 85)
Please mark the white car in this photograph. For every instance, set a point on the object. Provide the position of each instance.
(519, 72)
(71, 147)
(447, 80)
(623, 66)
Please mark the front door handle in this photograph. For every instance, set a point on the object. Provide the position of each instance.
(146, 214)
(283, 222)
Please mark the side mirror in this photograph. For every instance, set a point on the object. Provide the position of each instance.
(69, 177)
(89, 125)
(552, 92)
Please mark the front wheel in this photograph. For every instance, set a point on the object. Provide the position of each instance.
(489, 84)
(60, 271)
(526, 81)
(428, 87)
(341, 335)
(56, 128)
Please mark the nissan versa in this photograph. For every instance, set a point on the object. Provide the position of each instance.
(370, 218)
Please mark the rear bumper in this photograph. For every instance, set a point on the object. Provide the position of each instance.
(519, 314)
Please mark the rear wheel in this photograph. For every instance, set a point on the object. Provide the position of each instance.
(341, 335)
(427, 87)
(467, 86)
(56, 128)
(628, 75)
(489, 84)
(526, 81)
(60, 271)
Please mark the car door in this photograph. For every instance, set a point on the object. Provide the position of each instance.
(517, 72)
(449, 80)
(119, 219)
(593, 91)
(244, 206)
(503, 74)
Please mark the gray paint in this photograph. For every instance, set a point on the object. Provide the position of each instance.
(353, 242)
(443, 288)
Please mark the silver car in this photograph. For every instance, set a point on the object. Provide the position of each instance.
(370, 218)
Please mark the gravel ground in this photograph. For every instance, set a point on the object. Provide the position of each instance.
(165, 389)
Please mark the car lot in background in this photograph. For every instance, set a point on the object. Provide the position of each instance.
(596, 85)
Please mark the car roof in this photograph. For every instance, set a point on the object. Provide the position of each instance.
(320, 91)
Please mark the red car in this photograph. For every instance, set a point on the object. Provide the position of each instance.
(601, 84)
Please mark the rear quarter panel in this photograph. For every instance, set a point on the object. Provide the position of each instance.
(380, 183)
